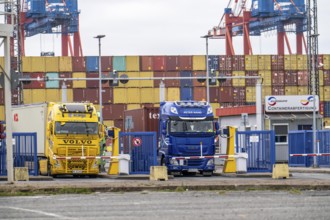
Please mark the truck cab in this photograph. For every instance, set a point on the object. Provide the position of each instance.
(187, 129)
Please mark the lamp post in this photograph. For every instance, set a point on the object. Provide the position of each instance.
(207, 67)
(100, 77)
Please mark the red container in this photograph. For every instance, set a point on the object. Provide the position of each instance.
(34, 84)
(226, 94)
(238, 62)
(86, 95)
(119, 123)
(321, 108)
(95, 83)
(278, 90)
(291, 78)
(146, 63)
(251, 82)
(239, 94)
(2, 98)
(320, 60)
(143, 120)
(113, 111)
(107, 95)
(159, 63)
(14, 97)
(78, 64)
(326, 77)
(172, 63)
(199, 74)
(68, 83)
(214, 94)
(302, 78)
(225, 62)
(167, 82)
(199, 93)
(278, 78)
(185, 62)
(277, 62)
(106, 63)
(228, 82)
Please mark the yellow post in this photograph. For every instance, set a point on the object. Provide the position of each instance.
(230, 163)
(114, 168)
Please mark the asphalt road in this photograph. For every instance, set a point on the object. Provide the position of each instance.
(171, 205)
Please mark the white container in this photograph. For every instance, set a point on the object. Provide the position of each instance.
(241, 162)
(124, 164)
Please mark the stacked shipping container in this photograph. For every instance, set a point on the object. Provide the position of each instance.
(282, 75)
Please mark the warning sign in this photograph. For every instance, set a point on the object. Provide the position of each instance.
(137, 142)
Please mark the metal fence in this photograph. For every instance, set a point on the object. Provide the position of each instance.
(301, 142)
(260, 147)
(142, 147)
(24, 153)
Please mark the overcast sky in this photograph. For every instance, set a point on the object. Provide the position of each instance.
(161, 27)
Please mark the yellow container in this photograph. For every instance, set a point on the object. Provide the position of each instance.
(250, 93)
(251, 62)
(326, 62)
(290, 62)
(301, 62)
(38, 64)
(302, 90)
(132, 63)
(38, 95)
(321, 95)
(266, 77)
(27, 96)
(133, 106)
(326, 93)
(215, 106)
(321, 78)
(119, 95)
(238, 82)
(199, 62)
(291, 90)
(146, 83)
(65, 64)
(53, 95)
(27, 64)
(133, 96)
(52, 64)
(2, 62)
(79, 83)
(109, 123)
(156, 96)
(264, 62)
(2, 112)
(147, 95)
(173, 94)
(266, 91)
(130, 83)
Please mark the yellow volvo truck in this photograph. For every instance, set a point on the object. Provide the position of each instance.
(68, 136)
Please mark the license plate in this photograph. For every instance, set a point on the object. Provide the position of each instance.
(192, 170)
(76, 171)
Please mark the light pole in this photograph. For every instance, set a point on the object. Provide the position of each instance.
(207, 67)
(100, 77)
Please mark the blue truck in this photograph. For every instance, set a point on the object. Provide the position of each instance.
(187, 133)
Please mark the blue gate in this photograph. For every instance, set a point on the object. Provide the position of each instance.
(24, 153)
(301, 142)
(142, 147)
(260, 147)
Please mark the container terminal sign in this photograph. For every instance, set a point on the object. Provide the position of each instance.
(293, 103)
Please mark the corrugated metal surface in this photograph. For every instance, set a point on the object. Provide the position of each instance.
(157, 95)
(250, 93)
(159, 63)
(79, 83)
(321, 78)
(199, 62)
(119, 123)
(91, 95)
(213, 62)
(34, 84)
(291, 90)
(34, 96)
(301, 62)
(106, 63)
(215, 106)
(132, 63)
(92, 63)
(78, 64)
(2, 99)
(291, 78)
(186, 93)
(239, 63)
(2, 113)
(225, 62)
(326, 110)
(239, 94)
(266, 77)
(167, 82)
(277, 62)
(119, 63)
(326, 61)
(52, 83)
(264, 62)
(278, 78)
(92, 83)
(238, 82)
(186, 82)
(199, 74)
(133, 106)
(302, 90)
(52, 64)
(113, 112)
(322, 96)
(251, 62)
(26, 64)
(107, 95)
(130, 83)
(109, 123)
(227, 82)
(173, 94)
(133, 95)
(302, 78)
(68, 83)
(65, 64)
(326, 77)
(251, 82)
(172, 63)
(53, 95)
(226, 94)
(278, 90)
(266, 90)
(146, 63)
(147, 95)
(185, 62)
(326, 93)
(119, 95)
(142, 120)
(214, 94)
(200, 94)
(146, 83)
(290, 62)
(38, 64)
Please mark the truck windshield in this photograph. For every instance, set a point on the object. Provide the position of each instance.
(76, 128)
(191, 126)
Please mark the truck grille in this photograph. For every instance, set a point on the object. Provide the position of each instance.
(195, 162)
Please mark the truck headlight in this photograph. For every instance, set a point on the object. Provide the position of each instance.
(174, 162)
(174, 110)
(209, 110)
(210, 162)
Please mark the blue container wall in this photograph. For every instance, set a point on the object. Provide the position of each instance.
(36, 6)
(52, 84)
(262, 8)
(213, 62)
(186, 82)
(72, 5)
(119, 63)
(186, 93)
(326, 109)
(92, 63)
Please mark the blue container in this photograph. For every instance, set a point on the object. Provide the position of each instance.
(52, 84)
(119, 63)
(36, 8)
(213, 63)
(262, 8)
(326, 112)
(92, 63)
(186, 82)
(186, 93)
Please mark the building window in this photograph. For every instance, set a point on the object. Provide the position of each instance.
(281, 133)
(304, 127)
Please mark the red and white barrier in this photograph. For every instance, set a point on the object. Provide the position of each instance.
(86, 157)
(210, 157)
(309, 155)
